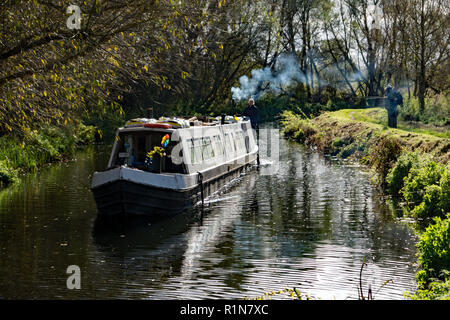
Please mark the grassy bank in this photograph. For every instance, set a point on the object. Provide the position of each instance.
(379, 116)
(411, 164)
(19, 154)
(354, 132)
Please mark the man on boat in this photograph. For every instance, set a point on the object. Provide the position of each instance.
(252, 112)
(393, 99)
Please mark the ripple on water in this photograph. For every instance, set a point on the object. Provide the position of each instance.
(308, 226)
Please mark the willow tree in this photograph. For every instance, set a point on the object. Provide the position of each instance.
(50, 73)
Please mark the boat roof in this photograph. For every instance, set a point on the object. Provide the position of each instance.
(175, 123)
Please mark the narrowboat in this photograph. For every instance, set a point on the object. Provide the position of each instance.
(159, 168)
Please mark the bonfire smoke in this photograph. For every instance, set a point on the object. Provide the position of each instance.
(285, 73)
(287, 70)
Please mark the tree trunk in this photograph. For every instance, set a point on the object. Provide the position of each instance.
(422, 70)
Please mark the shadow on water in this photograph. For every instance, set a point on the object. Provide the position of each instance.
(141, 231)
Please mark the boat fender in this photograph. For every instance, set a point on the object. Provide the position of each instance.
(200, 181)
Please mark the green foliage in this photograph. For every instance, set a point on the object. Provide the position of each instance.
(437, 110)
(396, 175)
(438, 290)
(347, 151)
(433, 277)
(85, 134)
(299, 136)
(410, 110)
(430, 206)
(423, 183)
(339, 143)
(422, 189)
(290, 122)
(382, 156)
(434, 253)
(296, 127)
(7, 174)
(38, 147)
(445, 189)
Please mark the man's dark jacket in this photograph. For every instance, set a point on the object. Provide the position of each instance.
(253, 114)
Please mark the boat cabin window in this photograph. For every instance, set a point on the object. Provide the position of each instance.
(207, 149)
(197, 151)
(218, 145)
(200, 149)
(133, 149)
(240, 141)
(229, 143)
(191, 148)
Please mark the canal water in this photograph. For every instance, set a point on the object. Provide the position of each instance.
(310, 225)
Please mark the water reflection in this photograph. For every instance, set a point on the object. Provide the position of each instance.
(309, 226)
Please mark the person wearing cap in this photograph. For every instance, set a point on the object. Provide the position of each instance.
(393, 99)
(252, 112)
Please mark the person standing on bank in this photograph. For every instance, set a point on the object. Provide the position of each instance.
(393, 99)
(252, 112)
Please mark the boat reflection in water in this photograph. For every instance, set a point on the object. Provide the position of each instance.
(157, 250)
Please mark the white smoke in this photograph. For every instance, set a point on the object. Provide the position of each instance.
(287, 70)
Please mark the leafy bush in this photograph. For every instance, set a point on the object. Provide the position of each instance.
(445, 188)
(85, 134)
(383, 155)
(424, 184)
(296, 127)
(47, 145)
(410, 110)
(290, 122)
(7, 175)
(434, 253)
(36, 148)
(395, 177)
(431, 204)
(417, 181)
(339, 143)
(299, 136)
(438, 290)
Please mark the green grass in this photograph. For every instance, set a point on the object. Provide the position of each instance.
(352, 132)
(379, 117)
